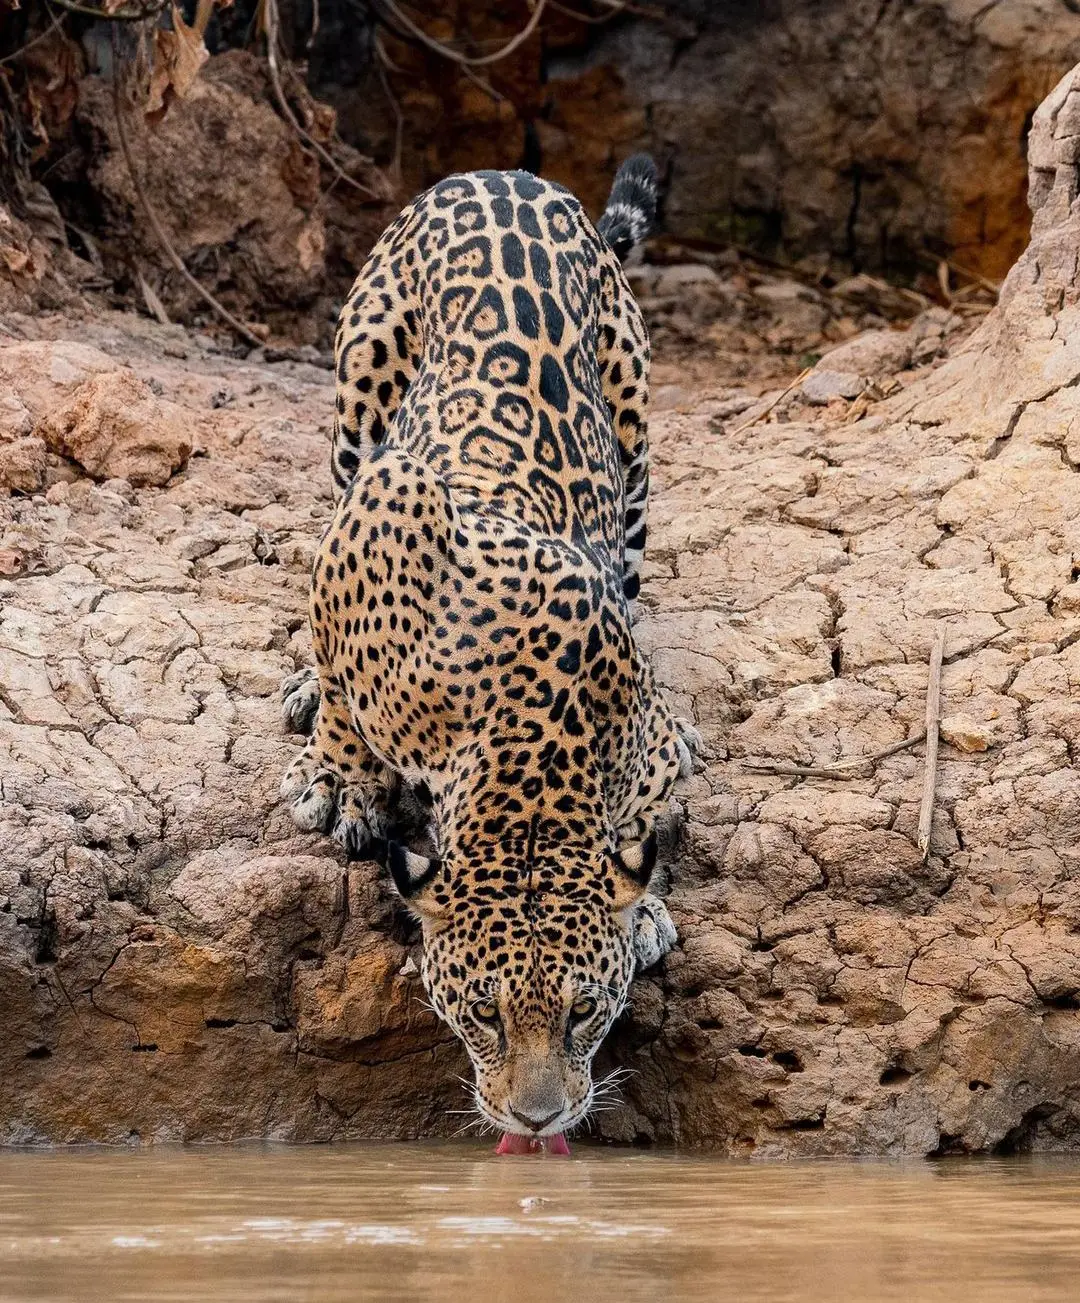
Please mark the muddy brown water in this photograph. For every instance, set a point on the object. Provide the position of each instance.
(451, 1221)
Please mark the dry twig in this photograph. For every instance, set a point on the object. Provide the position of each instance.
(152, 9)
(933, 719)
(159, 230)
(614, 9)
(57, 21)
(480, 61)
(842, 768)
(949, 265)
(769, 407)
(384, 64)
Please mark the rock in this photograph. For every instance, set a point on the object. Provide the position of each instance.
(114, 426)
(771, 140)
(263, 212)
(962, 732)
(35, 378)
(871, 354)
(825, 386)
(230, 557)
(22, 464)
(849, 130)
(686, 278)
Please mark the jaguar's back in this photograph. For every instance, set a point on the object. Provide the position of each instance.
(493, 334)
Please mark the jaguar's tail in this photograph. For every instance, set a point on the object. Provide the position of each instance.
(631, 206)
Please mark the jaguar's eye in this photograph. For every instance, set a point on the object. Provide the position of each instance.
(583, 1008)
(487, 1012)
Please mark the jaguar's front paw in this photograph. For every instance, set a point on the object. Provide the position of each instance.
(313, 791)
(300, 700)
(322, 801)
(654, 932)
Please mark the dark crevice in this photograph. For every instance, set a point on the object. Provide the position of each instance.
(947, 1146)
(999, 443)
(45, 950)
(1021, 1138)
(788, 1060)
(851, 229)
(805, 1124)
(894, 1076)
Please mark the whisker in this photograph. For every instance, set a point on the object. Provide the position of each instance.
(467, 1127)
(616, 1076)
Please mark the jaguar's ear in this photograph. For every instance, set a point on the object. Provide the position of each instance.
(634, 864)
(415, 877)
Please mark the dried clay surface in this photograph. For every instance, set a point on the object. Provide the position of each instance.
(176, 961)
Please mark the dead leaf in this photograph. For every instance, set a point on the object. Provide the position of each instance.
(154, 305)
(17, 260)
(178, 56)
(12, 562)
(203, 10)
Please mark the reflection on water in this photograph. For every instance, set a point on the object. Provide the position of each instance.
(450, 1222)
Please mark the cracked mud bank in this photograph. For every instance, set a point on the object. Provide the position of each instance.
(176, 961)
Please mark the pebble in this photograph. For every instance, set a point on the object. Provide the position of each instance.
(533, 1202)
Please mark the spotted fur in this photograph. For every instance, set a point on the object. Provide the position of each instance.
(472, 637)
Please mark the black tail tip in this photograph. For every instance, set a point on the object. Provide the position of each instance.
(631, 206)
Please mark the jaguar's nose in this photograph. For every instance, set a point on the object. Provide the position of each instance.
(535, 1123)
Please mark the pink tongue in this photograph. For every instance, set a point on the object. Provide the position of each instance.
(511, 1143)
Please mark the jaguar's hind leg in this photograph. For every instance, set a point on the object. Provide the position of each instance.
(377, 355)
(337, 785)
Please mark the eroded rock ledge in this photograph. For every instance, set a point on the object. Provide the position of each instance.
(177, 962)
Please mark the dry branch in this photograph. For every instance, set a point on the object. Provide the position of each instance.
(933, 718)
(54, 25)
(402, 18)
(153, 9)
(270, 12)
(842, 768)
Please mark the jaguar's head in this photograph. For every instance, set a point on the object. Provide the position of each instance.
(529, 959)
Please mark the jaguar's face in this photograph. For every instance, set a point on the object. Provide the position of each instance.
(530, 979)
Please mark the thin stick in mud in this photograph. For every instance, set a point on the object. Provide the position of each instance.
(842, 768)
(933, 720)
(760, 416)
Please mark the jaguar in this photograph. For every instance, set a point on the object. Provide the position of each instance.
(470, 612)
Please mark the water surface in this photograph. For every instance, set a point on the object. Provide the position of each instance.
(451, 1221)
